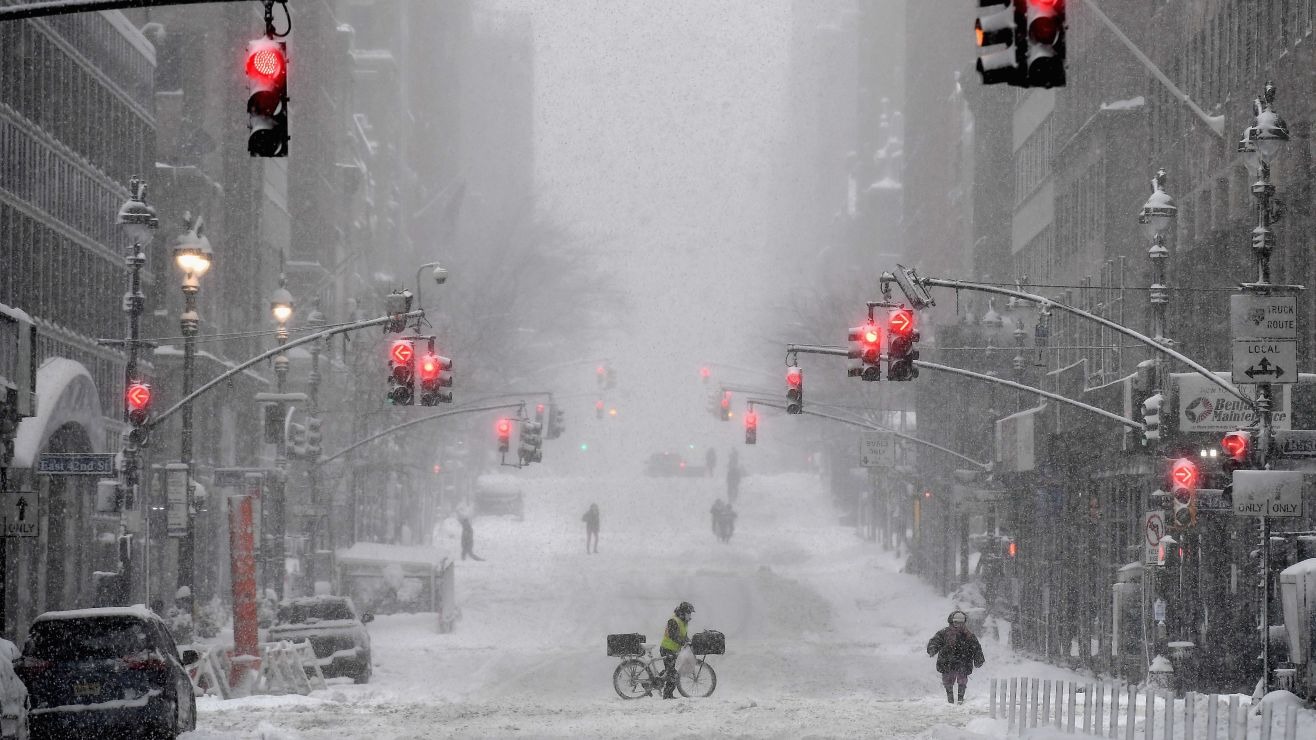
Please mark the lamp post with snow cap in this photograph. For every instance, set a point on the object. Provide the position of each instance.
(1260, 146)
(1155, 218)
(193, 255)
(138, 221)
(281, 309)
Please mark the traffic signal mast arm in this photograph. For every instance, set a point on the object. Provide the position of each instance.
(154, 421)
(414, 422)
(876, 427)
(65, 7)
(1119, 328)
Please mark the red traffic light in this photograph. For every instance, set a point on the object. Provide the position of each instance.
(751, 420)
(704, 373)
(901, 321)
(794, 377)
(401, 352)
(1012, 549)
(726, 400)
(138, 396)
(1235, 445)
(871, 334)
(265, 60)
(1183, 473)
(504, 428)
(429, 368)
(598, 405)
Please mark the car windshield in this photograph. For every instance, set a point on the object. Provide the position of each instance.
(314, 611)
(83, 639)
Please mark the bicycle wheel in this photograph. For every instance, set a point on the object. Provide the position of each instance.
(698, 684)
(630, 677)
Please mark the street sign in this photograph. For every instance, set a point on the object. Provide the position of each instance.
(76, 463)
(1275, 493)
(1212, 499)
(1153, 529)
(1263, 317)
(1204, 407)
(233, 477)
(1296, 443)
(877, 449)
(175, 477)
(20, 513)
(1265, 361)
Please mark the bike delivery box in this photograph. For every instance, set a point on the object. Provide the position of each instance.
(629, 644)
(708, 642)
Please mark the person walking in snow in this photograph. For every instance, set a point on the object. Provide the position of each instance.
(710, 462)
(958, 652)
(719, 507)
(591, 520)
(675, 637)
(468, 539)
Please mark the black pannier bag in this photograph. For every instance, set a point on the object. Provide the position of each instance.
(709, 642)
(629, 644)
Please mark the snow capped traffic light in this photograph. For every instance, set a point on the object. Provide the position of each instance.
(401, 372)
(995, 28)
(532, 442)
(751, 427)
(901, 337)
(1151, 419)
(865, 351)
(1237, 446)
(435, 375)
(137, 408)
(794, 390)
(1044, 51)
(504, 429)
(556, 423)
(1184, 479)
(267, 101)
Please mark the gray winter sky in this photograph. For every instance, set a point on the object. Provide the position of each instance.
(655, 129)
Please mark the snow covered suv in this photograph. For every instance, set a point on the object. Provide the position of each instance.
(337, 635)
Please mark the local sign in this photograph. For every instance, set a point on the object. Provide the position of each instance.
(877, 449)
(1265, 331)
(1275, 493)
(20, 513)
(76, 463)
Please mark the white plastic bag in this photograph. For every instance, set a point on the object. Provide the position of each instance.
(686, 665)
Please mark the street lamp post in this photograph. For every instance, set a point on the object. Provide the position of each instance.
(193, 255)
(1260, 146)
(138, 221)
(281, 308)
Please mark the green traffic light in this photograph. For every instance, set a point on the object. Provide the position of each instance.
(584, 447)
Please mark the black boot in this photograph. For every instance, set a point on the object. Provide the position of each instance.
(950, 695)
(961, 692)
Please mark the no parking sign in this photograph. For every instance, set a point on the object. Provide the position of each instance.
(1153, 529)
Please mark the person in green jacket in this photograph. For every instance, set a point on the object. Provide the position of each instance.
(675, 637)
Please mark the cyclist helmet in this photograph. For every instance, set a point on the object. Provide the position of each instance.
(957, 617)
(685, 608)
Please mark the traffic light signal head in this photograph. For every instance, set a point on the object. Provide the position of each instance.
(865, 351)
(598, 409)
(267, 101)
(751, 428)
(137, 403)
(532, 441)
(794, 390)
(402, 380)
(1237, 446)
(725, 406)
(705, 374)
(555, 422)
(504, 429)
(435, 375)
(1184, 479)
(1044, 55)
(995, 31)
(1151, 419)
(314, 436)
(901, 337)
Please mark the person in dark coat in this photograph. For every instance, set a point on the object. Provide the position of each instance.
(468, 539)
(958, 653)
(591, 520)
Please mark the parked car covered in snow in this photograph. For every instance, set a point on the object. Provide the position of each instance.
(336, 633)
(13, 694)
(108, 672)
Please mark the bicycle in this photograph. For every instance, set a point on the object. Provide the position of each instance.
(634, 678)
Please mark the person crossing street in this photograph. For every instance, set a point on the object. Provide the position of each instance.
(958, 652)
(675, 637)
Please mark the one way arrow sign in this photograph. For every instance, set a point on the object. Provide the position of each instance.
(1265, 361)
(20, 513)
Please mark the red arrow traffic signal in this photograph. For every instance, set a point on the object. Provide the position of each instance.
(401, 352)
(901, 321)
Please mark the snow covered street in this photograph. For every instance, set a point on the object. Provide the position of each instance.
(824, 637)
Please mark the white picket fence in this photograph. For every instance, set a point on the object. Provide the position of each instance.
(1120, 710)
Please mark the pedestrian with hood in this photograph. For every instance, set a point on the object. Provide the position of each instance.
(591, 520)
(958, 652)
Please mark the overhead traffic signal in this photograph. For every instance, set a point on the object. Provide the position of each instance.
(402, 372)
(705, 374)
(751, 428)
(295, 441)
(532, 442)
(137, 407)
(901, 338)
(1184, 480)
(725, 406)
(998, 59)
(1237, 446)
(794, 390)
(555, 422)
(267, 101)
(1151, 419)
(865, 351)
(435, 375)
(598, 409)
(314, 437)
(1044, 51)
(504, 429)
(397, 304)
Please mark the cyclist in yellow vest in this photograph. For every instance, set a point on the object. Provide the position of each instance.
(675, 636)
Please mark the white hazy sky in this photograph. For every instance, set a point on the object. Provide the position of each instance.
(656, 128)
